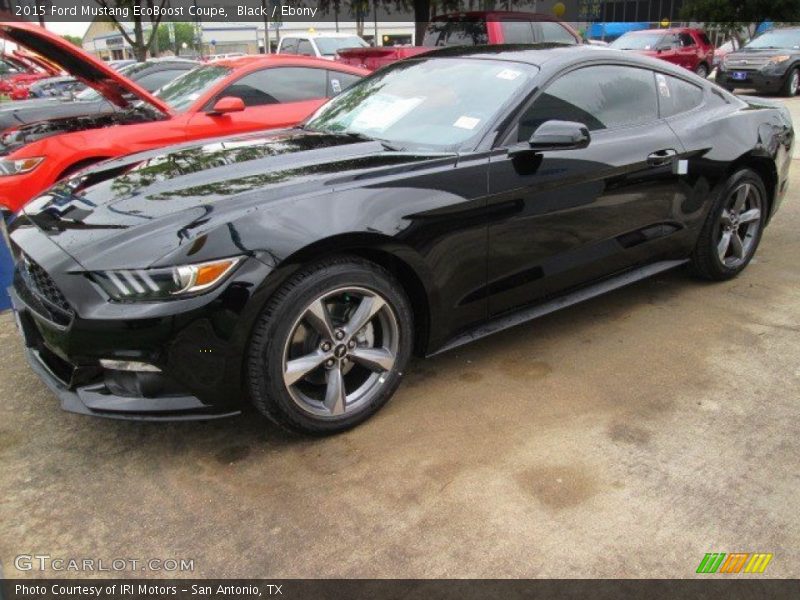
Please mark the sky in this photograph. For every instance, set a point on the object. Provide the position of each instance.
(77, 28)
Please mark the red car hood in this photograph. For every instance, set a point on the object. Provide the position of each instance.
(78, 63)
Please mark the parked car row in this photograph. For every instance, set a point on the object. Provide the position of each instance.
(39, 146)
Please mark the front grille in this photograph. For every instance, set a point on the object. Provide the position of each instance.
(38, 290)
(745, 64)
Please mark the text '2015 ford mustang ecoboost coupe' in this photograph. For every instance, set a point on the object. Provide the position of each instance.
(437, 200)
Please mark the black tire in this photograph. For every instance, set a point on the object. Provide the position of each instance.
(277, 327)
(706, 260)
(792, 83)
(702, 70)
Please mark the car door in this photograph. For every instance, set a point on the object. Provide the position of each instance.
(573, 216)
(668, 49)
(688, 51)
(274, 97)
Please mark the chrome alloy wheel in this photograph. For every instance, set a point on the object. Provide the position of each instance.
(739, 225)
(794, 82)
(339, 351)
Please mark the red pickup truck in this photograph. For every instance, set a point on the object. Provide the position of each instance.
(469, 29)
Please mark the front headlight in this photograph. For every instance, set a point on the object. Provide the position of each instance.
(776, 60)
(163, 284)
(10, 166)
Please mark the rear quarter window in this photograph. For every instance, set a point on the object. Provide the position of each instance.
(676, 96)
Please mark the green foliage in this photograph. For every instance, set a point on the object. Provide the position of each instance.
(184, 33)
(75, 39)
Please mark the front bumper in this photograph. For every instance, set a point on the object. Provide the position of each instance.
(758, 80)
(94, 396)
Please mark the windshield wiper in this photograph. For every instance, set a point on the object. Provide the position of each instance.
(368, 138)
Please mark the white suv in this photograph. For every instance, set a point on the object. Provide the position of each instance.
(321, 45)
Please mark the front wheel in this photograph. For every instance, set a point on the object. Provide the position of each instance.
(702, 70)
(792, 83)
(330, 347)
(732, 231)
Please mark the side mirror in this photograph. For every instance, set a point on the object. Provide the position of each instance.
(559, 135)
(228, 104)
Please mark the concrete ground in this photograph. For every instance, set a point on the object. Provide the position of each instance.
(625, 437)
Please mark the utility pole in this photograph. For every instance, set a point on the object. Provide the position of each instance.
(265, 15)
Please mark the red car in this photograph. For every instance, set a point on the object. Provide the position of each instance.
(476, 28)
(28, 69)
(216, 99)
(683, 46)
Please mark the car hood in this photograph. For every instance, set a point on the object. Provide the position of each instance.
(24, 112)
(44, 65)
(759, 54)
(76, 62)
(135, 210)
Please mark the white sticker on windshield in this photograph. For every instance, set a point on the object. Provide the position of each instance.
(663, 87)
(466, 122)
(383, 110)
(336, 86)
(509, 74)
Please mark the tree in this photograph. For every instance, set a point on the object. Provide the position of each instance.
(733, 17)
(184, 34)
(75, 39)
(138, 44)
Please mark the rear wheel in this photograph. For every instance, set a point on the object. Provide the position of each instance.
(732, 231)
(792, 83)
(330, 347)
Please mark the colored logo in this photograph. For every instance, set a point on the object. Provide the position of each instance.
(739, 562)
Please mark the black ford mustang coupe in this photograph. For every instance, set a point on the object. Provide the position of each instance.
(438, 200)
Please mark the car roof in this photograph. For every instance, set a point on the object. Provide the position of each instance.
(494, 15)
(320, 34)
(553, 55)
(665, 30)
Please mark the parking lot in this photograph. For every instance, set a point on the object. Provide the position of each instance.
(624, 437)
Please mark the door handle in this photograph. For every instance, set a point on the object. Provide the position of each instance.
(662, 157)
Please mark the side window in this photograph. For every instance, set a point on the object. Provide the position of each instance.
(289, 46)
(685, 40)
(600, 97)
(517, 32)
(555, 33)
(339, 82)
(704, 39)
(279, 85)
(152, 81)
(676, 96)
(305, 48)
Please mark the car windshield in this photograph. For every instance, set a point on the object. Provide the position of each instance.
(638, 41)
(427, 104)
(329, 46)
(90, 94)
(184, 91)
(777, 38)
